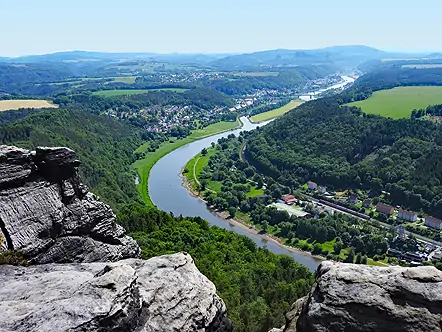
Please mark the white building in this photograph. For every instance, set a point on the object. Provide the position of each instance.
(407, 215)
(433, 222)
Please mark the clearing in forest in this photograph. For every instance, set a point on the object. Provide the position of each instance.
(7, 105)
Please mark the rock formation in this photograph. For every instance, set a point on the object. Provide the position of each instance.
(165, 293)
(359, 298)
(47, 212)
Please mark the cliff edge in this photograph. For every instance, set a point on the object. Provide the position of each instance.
(165, 293)
(47, 212)
(359, 298)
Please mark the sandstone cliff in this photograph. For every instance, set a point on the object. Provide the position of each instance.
(165, 293)
(47, 212)
(359, 298)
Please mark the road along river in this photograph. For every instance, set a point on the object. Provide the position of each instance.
(168, 193)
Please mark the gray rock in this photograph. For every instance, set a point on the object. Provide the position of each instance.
(47, 212)
(165, 293)
(361, 298)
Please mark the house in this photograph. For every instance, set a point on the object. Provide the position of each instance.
(353, 198)
(366, 203)
(407, 215)
(289, 199)
(322, 189)
(433, 222)
(312, 185)
(386, 209)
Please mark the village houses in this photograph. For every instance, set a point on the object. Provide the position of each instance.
(433, 222)
(386, 209)
(407, 215)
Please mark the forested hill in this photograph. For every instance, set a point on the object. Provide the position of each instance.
(105, 147)
(345, 148)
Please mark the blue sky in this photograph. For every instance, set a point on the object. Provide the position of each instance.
(191, 26)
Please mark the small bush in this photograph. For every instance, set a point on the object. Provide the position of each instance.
(13, 257)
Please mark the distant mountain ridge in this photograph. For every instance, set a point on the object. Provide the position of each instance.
(351, 55)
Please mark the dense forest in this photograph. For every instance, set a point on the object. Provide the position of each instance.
(257, 286)
(104, 146)
(343, 147)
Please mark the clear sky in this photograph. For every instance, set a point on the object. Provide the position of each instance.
(216, 26)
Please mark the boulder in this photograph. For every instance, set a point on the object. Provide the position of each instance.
(165, 293)
(48, 213)
(360, 298)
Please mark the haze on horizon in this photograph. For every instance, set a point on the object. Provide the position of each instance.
(229, 26)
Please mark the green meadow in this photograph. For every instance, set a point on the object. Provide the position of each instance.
(399, 102)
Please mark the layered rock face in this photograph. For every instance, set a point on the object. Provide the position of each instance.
(164, 293)
(359, 298)
(47, 212)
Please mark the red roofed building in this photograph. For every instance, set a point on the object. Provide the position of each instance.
(383, 208)
(407, 215)
(433, 222)
(289, 199)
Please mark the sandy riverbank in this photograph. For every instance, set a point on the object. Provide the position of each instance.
(240, 223)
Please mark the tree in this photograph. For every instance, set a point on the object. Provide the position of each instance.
(260, 183)
(265, 226)
(358, 258)
(203, 185)
(337, 247)
(317, 249)
(204, 151)
(213, 144)
(232, 211)
(351, 256)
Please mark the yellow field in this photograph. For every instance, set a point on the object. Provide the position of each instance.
(276, 112)
(7, 105)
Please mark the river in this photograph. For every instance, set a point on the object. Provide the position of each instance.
(312, 95)
(167, 192)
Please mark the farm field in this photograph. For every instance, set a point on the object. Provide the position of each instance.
(276, 112)
(399, 102)
(113, 93)
(6, 105)
(125, 79)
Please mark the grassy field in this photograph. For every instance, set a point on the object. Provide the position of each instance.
(144, 166)
(6, 105)
(276, 112)
(125, 79)
(113, 93)
(399, 102)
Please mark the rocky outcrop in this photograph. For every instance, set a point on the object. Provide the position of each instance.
(165, 293)
(361, 298)
(47, 212)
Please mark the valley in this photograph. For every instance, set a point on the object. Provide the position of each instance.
(182, 137)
